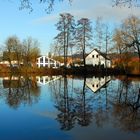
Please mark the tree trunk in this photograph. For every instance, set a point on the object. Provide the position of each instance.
(84, 45)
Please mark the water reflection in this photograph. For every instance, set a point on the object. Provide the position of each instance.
(126, 107)
(74, 103)
(96, 83)
(19, 89)
(78, 107)
(43, 80)
(116, 104)
(64, 102)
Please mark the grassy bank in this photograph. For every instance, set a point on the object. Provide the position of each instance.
(63, 71)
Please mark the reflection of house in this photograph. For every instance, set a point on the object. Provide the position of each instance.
(97, 83)
(95, 58)
(44, 61)
(46, 79)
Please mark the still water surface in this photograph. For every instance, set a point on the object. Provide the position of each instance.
(68, 108)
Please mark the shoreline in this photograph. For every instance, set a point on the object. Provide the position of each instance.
(81, 71)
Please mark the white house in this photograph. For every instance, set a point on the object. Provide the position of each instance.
(44, 61)
(96, 58)
(96, 83)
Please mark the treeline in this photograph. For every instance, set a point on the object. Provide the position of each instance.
(127, 43)
(82, 36)
(20, 53)
(79, 36)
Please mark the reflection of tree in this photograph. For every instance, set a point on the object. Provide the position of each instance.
(21, 90)
(75, 104)
(64, 103)
(72, 103)
(66, 117)
(126, 107)
(102, 111)
(83, 107)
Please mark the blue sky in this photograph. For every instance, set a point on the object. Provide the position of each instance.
(40, 25)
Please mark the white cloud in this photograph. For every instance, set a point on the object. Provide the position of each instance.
(46, 19)
(104, 9)
(112, 13)
(92, 9)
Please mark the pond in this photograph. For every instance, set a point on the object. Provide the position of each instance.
(69, 108)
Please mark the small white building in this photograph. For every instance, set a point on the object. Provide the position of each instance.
(97, 58)
(13, 63)
(44, 61)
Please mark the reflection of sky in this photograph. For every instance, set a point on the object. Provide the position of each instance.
(38, 120)
(30, 121)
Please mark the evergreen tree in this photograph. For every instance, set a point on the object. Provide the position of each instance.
(66, 28)
(83, 35)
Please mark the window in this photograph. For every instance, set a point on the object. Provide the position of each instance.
(51, 65)
(93, 85)
(57, 65)
(46, 60)
(41, 60)
(41, 65)
(46, 79)
(97, 56)
(92, 56)
(97, 85)
(41, 79)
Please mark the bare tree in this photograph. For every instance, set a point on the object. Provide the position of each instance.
(119, 45)
(128, 3)
(108, 37)
(12, 50)
(98, 34)
(128, 36)
(28, 4)
(30, 51)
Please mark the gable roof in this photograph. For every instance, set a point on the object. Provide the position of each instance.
(101, 53)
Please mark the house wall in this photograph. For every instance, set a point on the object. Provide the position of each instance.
(94, 58)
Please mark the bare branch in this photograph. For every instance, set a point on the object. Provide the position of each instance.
(28, 4)
(128, 3)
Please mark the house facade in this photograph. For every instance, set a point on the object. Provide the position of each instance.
(97, 58)
(44, 61)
